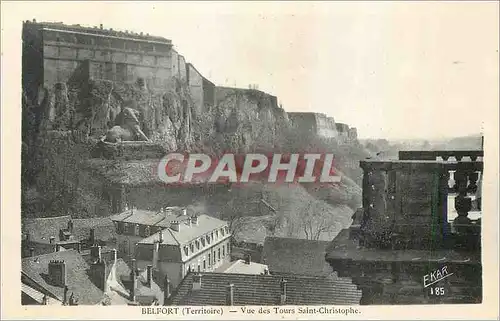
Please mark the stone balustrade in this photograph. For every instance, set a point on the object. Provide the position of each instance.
(405, 204)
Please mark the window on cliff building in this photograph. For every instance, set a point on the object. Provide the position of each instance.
(209, 261)
(204, 265)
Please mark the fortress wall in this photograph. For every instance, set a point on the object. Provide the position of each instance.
(195, 82)
(182, 68)
(53, 52)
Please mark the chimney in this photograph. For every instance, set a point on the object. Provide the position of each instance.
(230, 294)
(174, 225)
(248, 259)
(196, 282)
(194, 219)
(100, 26)
(166, 296)
(126, 206)
(133, 280)
(283, 291)
(95, 253)
(57, 272)
(32, 251)
(52, 239)
(188, 222)
(184, 211)
(266, 271)
(65, 297)
(70, 226)
(92, 236)
(98, 274)
(149, 275)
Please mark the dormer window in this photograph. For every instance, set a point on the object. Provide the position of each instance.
(202, 241)
(197, 243)
(208, 239)
(191, 247)
(186, 250)
(222, 232)
(216, 234)
(227, 229)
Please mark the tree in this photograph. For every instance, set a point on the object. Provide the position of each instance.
(315, 220)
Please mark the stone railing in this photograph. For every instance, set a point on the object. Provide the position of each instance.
(405, 204)
(444, 155)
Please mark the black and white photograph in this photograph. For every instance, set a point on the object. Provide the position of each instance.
(253, 159)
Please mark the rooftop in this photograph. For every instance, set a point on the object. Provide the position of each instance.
(77, 279)
(186, 233)
(241, 267)
(41, 229)
(296, 256)
(152, 218)
(76, 28)
(265, 290)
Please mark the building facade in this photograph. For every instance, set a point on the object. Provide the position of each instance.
(173, 241)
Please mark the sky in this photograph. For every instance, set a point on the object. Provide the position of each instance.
(390, 69)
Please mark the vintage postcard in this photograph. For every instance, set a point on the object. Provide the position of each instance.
(250, 160)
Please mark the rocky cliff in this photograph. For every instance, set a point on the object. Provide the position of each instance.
(64, 123)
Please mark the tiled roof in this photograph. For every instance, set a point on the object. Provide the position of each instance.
(186, 234)
(152, 218)
(239, 266)
(77, 279)
(296, 256)
(41, 229)
(265, 290)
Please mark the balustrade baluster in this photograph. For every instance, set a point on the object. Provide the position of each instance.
(473, 177)
(463, 204)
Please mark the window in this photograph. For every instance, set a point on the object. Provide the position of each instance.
(209, 262)
(125, 228)
(191, 247)
(222, 232)
(147, 231)
(204, 264)
(202, 241)
(186, 250)
(197, 244)
(223, 251)
(208, 239)
(216, 234)
(228, 249)
(227, 229)
(136, 229)
(199, 268)
(218, 254)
